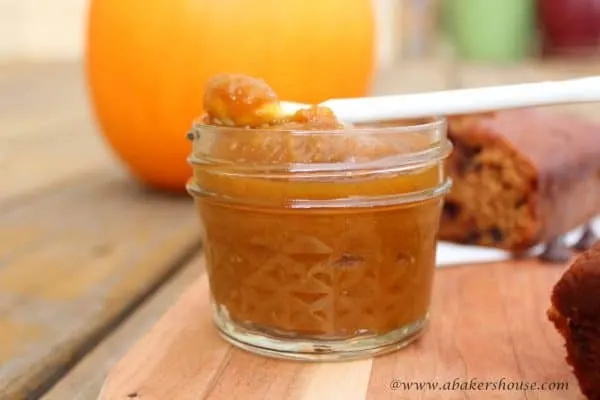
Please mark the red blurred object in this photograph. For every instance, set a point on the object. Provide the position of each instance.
(569, 27)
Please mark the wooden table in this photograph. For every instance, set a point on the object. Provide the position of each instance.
(89, 259)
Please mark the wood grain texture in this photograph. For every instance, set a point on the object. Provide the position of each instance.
(413, 76)
(46, 129)
(80, 243)
(85, 380)
(488, 324)
(73, 261)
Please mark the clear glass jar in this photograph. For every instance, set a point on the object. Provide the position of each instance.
(320, 245)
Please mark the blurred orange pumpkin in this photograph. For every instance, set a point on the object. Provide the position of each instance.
(147, 63)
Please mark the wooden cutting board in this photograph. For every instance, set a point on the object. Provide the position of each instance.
(488, 325)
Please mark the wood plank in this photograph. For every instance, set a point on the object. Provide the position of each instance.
(488, 324)
(57, 161)
(73, 262)
(85, 380)
(39, 92)
(46, 129)
(412, 76)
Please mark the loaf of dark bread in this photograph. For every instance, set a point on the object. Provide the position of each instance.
(520, 178)
(575, 312)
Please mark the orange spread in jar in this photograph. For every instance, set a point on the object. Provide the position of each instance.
(238, 100)
(311, 271)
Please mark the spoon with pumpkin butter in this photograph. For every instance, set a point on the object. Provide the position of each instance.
(243, 101)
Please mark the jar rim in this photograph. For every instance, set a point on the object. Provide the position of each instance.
(434, 122)
(433, 148)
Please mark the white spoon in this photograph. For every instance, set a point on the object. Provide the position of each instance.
(461, 101)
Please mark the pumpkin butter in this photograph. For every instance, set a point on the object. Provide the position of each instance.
(314, 232)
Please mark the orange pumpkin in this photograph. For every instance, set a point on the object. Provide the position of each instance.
(147, 63)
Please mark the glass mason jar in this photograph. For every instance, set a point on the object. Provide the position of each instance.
(320, 245)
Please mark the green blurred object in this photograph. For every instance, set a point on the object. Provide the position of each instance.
(490, 30)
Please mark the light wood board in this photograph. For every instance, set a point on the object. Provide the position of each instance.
(488, 323)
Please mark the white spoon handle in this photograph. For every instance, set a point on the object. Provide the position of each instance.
(465, 101)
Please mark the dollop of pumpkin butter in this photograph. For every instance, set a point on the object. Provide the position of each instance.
(313, 118)
(241, 101)
(237, 100)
